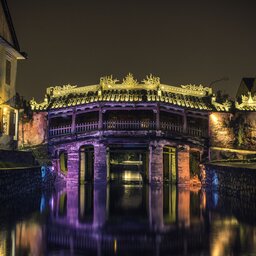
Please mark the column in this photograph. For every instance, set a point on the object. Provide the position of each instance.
(100, 125)
(185, 122)
(183, 166)
(100, 163)
(157, 112)
(73, 167)
(73, 125)
(156, 207)
(155, 163)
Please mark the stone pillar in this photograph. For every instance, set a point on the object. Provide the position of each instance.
(100, 163)
(155, 163)
(72, 205)
(185, 122)
(183, 166)
(156, 207)
(73, 167)
(184, 207)
(99, 205)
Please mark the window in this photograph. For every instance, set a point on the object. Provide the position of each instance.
(8, 72)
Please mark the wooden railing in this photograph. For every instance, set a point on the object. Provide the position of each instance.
(60, 130)
(127, 125)
(167, 126)
(85, 127)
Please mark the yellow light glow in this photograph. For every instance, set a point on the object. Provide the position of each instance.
(242, 151)
(131, 176)
(115, 245)
(214, 118)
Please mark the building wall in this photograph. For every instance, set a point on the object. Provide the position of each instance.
(221, 133)
(7, 91)
(9, 54)
(8, 115)
(236, 131)
(33, 132)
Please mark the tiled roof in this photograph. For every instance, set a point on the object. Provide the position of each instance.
(186, 96)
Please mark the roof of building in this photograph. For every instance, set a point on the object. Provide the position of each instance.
(150, 90)
(248, 84)
(246, 95)
(7, 31)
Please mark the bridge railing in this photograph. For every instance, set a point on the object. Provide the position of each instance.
(60, 130)
(85, 127)
(177, 128)
(127, 125)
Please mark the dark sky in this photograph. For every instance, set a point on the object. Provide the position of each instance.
(78, 41)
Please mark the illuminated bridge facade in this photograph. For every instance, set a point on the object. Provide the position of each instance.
(129, 131)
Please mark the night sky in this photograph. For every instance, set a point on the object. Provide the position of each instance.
(78, 41)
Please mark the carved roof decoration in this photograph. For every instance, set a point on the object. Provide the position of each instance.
(248, 102)
(130, 90)
(130, 81)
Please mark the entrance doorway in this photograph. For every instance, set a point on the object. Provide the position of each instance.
(169, 164)
(86, 164)
(128, 165)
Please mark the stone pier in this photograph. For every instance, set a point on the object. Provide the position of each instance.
(155, 163)
(183, 166)
(100, 163)
(73, 167)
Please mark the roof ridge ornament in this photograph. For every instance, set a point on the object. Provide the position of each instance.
(39, 106)
(108, 81)
(248, 101)
(151, 80)
(129, 80)
(224, 106)
(199, 88)
(58, 91)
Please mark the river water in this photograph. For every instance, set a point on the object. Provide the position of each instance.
(127, 220)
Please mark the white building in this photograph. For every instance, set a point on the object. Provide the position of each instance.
(9, 55)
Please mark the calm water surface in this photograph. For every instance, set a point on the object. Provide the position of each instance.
(127, 220)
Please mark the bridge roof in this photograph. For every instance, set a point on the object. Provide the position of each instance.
(150, 90)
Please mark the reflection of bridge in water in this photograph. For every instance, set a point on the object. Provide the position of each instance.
(122, 219)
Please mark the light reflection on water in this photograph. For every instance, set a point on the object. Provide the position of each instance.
(127, 220)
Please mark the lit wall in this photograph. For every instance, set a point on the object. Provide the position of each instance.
(237, 131)
(33, 132)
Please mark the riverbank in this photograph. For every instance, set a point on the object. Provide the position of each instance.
(236, 179)
(236, 164)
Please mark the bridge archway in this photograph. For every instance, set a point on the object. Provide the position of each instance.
(128, 164)
(86, 170)
(169, 164)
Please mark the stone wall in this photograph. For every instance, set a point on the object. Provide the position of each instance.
(33, 132)
(17, 181)
(233, 130)
(231, 181)
(19, 157)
